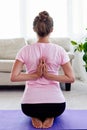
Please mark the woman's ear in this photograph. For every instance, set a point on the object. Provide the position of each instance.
(34, 29)
(51, 30)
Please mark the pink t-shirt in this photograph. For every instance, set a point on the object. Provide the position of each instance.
(42, 90)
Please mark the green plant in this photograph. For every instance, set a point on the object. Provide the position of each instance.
(81, 47)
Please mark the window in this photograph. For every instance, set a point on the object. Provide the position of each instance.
(16, 17)
(79, 17)
(9, 18)
(56, 8)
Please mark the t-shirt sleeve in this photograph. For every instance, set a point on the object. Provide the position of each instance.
(20, 55)
(64, 58)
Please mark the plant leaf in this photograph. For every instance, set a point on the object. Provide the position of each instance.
(74, 43)
(75, 50)
(80, 47)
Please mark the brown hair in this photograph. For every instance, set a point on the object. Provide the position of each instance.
(43, 24)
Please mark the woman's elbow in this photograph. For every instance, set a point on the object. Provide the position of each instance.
(72, 79)
(13, 78)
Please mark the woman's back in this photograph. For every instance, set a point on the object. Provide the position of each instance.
(53, 54)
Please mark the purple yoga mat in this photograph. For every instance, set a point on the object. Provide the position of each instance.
(16, 120)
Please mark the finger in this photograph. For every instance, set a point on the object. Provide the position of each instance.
(44, 67)
(43, 60)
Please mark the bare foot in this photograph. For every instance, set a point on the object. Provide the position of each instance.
(36, 123)
(48, 122)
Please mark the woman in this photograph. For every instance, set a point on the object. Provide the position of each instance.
(43, 99)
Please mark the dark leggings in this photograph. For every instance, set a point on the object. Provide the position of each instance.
(43, 110)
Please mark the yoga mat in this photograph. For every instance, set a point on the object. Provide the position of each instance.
(16, 120)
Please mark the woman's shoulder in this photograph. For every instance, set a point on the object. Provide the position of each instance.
(25, 47)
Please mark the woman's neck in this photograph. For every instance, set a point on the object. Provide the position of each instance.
(43, 39)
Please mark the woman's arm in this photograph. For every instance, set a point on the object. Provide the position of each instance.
(17, 75)
(67, 77)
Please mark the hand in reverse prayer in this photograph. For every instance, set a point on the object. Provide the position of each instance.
(42, 67)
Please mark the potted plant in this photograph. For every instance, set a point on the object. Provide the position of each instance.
(81, 47)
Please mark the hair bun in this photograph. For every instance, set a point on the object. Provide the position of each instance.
(43, 16)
